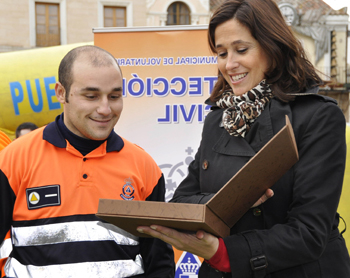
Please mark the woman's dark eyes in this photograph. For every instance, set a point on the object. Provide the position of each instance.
(242, 50)
(239, 51)
(222, 54)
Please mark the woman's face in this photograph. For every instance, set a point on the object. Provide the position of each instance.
(241, 60)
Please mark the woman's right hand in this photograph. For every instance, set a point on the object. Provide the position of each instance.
(201, 243)
(267, 195)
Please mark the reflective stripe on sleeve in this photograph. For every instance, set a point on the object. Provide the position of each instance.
(5, 248)
(71, 232)
(106, 269)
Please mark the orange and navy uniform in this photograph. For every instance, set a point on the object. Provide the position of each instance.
(49, 194)
(4, 140)
(5, 246)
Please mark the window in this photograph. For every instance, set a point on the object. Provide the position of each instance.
(47, 21)
(178, 14)
(114, 16)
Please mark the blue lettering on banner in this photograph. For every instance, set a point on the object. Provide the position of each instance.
(139, 61)
(149, 86)
(195, 86)
(161, 86)
(51, 93)
(201, 113)
(18, 94)
(183, 89)
(165, 82)
(204, 60)
(175, 114)
(136, 81)
(168, 61)
(124, 86)
(188, 117)
(35, 107)
(166, 119)
(187, 266)
(16, 98)
(175, 111)
(157, 61)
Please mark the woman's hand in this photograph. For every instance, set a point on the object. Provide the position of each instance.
(200, 243)
(267, 195)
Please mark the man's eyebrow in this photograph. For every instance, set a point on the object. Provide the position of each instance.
(91, 89)
(117, 89)
(95, 89)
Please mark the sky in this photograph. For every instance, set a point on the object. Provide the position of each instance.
(338, 4)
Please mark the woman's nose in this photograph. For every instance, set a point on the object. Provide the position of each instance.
(232, 62)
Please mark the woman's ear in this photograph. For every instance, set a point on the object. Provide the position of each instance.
(60, 93)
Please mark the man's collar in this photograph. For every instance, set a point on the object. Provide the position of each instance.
(53, 135)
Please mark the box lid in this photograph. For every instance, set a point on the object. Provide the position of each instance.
(128, 215)
(262, 171)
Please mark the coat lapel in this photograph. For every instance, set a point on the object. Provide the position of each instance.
(271, 120)
(231, 145)
(278, 113)
(261, 131)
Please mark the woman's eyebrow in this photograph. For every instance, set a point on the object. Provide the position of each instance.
(235, 42)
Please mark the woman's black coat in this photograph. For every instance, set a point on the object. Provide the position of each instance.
(295, 233)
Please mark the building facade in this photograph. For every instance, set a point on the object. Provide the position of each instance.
(28, 24)
(323, 33)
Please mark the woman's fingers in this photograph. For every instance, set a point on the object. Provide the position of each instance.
(267, 195)
(200, 243)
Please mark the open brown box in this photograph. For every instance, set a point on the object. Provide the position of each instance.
(227, 206)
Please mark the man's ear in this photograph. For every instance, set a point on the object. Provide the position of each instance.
(60, 93)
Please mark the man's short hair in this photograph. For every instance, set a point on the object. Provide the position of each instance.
(97, 56)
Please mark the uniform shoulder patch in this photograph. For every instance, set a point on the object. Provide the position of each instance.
(128, 190)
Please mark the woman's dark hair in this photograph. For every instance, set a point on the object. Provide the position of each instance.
(290, 71)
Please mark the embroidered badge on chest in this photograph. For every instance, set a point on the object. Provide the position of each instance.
(128, 190)
(44, 196)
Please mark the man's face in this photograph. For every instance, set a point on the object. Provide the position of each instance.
(95, 100)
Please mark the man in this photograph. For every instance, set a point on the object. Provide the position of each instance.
(4, 140)
(51, 182)
(25, 128)
(5, 245)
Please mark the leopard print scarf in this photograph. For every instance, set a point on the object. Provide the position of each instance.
(241, 111)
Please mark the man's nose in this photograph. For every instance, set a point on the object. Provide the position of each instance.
(104, 107)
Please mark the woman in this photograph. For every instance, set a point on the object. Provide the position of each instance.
(264, 75)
